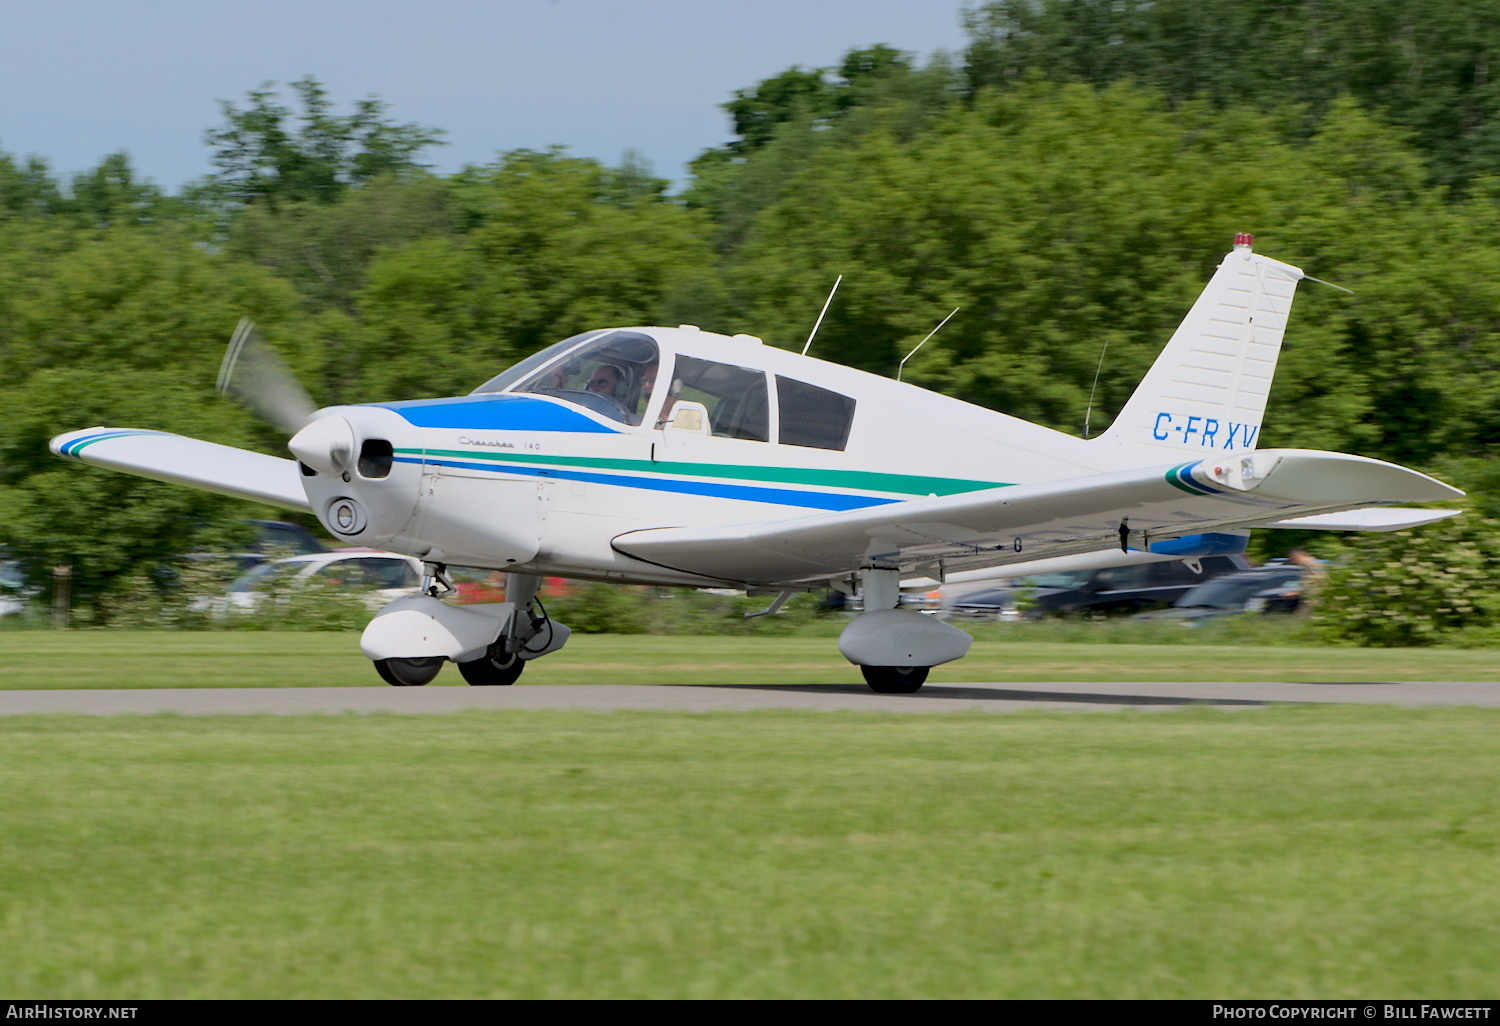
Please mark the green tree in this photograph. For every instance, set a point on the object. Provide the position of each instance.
(1066, 219)
(27, 189)
(260, 157)
(554, 245)
(1425, 66)
(122, 329)
(325, 249)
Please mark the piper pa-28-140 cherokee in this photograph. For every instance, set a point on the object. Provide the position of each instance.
(675, 456)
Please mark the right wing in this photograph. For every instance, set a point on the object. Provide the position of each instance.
(188, 461)
(1143, 508)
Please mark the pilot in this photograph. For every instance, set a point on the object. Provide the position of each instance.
(605, 379)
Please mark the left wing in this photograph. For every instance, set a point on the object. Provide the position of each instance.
(189, 461)
(1128, 509)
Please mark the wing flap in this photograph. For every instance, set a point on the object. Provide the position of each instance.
(188, 461)
(1020, 523)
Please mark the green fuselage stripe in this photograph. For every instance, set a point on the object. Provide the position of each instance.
(901, 484)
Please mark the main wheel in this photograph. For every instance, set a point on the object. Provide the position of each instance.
(503, 668)
(408, 673)
(895, 680)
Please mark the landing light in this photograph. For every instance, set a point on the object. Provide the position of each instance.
(345, 516)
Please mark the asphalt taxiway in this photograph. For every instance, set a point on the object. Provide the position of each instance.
(739, 697)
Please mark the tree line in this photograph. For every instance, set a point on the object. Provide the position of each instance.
(1068, 181)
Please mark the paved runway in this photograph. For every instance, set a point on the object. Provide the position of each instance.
(723, 697)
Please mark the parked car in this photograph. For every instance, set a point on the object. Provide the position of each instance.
(1273, 588)
(271, 539)
(13, 591)
(1112, 590)
(378, 576)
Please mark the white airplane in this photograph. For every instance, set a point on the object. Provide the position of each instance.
(675, 456)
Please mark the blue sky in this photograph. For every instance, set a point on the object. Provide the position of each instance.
(83, 78)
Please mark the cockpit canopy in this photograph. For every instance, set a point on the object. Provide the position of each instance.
(614, 372)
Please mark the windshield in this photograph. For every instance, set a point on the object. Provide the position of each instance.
(506, 378)
(613, 375)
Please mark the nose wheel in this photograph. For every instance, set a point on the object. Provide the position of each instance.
(408, 673)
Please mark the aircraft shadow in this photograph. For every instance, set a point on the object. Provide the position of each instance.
(994, 694)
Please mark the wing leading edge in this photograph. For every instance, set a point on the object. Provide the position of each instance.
(1021, 523)
(188, 461)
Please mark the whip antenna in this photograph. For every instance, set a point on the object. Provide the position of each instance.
(902, 365)
(820, 316)
(1088, 410)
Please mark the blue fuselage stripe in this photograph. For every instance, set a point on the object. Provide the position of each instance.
(711, 489)
(496, 413)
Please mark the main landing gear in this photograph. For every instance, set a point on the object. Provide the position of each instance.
(895, 680)
(894, 648)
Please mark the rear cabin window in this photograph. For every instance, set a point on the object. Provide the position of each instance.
(813, 416)
(736, 398)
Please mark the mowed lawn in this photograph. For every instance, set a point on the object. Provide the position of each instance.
(148, 659)
(1334, 852)
(1289, 852)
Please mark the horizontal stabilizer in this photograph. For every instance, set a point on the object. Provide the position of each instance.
(188, 461)
(1130, 509)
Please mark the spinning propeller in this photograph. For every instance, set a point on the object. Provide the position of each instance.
(254, 374)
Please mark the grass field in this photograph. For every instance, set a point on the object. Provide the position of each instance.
(1286, 852)
(136, 659)
(1289, 852)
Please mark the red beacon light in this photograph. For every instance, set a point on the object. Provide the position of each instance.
(1244, 240)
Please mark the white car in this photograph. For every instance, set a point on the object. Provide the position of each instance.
(379, 576)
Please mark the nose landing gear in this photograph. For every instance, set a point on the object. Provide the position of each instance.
(497, 667)
(411, 638)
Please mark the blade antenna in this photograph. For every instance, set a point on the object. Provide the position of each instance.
(819, 323)
(1088, 410)
(902, 365)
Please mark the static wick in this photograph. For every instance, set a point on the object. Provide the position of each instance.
(1330, 284)
(819, 323)
(902, 365)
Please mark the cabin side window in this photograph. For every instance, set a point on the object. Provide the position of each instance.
(737, 399)
(813, 416)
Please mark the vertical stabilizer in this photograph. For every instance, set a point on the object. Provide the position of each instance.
(1207, 390)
